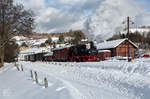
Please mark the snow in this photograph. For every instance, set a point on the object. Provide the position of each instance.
(32, 42)
(140, 30)
(49, 54)
(55, 39)
(20, 38)
(36, 41)
(110, 79)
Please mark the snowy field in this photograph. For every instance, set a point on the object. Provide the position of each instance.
(111, 79)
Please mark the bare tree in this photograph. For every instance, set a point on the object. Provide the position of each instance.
(13, 19)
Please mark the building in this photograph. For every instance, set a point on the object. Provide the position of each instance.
(119, 47)
(30, 51)
(103, 54)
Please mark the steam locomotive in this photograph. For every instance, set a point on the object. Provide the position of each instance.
(75, 53)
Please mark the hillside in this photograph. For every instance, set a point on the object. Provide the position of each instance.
(46, 35)
(141, 30)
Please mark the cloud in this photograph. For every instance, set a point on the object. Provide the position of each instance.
(109, 17)
(100, 19)
(56, 15)
(53, 20)
(60, 15)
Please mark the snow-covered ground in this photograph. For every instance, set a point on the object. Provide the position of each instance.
(111, 79)
(31, 42)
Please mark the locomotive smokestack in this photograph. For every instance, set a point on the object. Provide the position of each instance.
(93, 44)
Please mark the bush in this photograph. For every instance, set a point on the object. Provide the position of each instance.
(49, 41)
(11, 51)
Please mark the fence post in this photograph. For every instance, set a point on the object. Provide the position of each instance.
(36, 77)
(72, 65)
(15, 64)
(17, 67)
(22, 68)
(60, 64)
(45, 82)
(31, 73)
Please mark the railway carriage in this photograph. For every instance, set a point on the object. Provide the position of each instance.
(35, 57)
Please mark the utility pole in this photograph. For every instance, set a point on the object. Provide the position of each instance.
(128, 31)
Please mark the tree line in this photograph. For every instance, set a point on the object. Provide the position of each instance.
(75, 39)
(141, 39)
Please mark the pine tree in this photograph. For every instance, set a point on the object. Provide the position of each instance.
(61, 39)
(49, 41)
(11, 55)
(77, 38)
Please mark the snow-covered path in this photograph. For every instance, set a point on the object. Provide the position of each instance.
(74, 81)
(18, 85)
(91, 80)
(86, 83)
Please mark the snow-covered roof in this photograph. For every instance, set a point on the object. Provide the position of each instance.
(32, 50)
(100, 51)
(112, 44)
(49, 54)
(59, 48)
(62, 47)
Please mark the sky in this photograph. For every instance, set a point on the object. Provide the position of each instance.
(147, 4)
(99, 19)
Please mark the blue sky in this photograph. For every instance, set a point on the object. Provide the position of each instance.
(148, 4)
(62, 6)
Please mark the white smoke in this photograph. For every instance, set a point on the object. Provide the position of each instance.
(109, 16)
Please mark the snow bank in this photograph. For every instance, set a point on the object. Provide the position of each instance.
(119, 78)
(110, 79)
(18, 85)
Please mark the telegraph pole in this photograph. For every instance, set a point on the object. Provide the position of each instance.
(128, 31)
